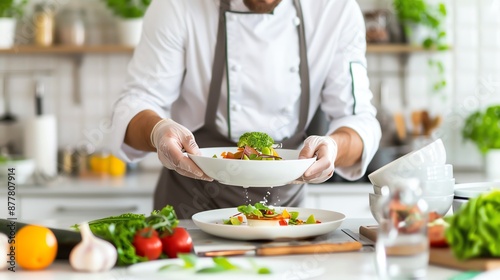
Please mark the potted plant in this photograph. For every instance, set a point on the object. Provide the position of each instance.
(130, 15)
(10, 11)
(423, 23)
(483, 128)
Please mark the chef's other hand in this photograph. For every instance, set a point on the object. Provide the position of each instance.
(325, 150)
(169, 138)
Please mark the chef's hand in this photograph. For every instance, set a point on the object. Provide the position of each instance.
(170, 138)
(325, 149)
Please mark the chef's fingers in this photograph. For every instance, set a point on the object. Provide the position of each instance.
(175, 159)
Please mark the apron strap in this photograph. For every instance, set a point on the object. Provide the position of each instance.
(218, 72)
(217, 68)
(304, 70)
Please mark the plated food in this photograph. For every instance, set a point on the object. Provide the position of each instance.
(253, 146)
(262, 215)
(211, 222)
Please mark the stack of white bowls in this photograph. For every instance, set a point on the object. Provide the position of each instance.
(428, 165)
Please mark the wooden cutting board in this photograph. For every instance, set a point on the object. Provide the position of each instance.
(444, 256)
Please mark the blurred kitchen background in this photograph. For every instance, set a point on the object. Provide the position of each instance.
(77, 71)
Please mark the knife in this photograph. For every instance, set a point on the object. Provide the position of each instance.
(276, 249)
(365, 242)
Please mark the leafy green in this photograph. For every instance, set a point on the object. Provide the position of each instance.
(482, 239)
(483, 128)
(120, 230)
(12, 8)
(258, 209)
(256, 140)
(128, 8)
(220, 264)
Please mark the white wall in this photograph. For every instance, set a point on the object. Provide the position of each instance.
(473, 74)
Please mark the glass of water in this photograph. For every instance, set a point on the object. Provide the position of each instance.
(402, 248)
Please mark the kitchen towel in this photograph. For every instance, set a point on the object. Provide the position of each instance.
(40, 143)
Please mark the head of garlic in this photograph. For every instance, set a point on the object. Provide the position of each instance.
(92, 254)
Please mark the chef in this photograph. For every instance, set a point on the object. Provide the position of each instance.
(207, 71)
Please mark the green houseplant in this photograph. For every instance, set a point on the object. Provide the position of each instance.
(10, 11)
(130, 15)
(423, 24)
(483, 129)
(128, 8)
(12, 8)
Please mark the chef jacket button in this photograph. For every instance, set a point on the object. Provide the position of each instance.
(294, 69)
(232, 17)
(296, 21)
(236, 68)
(287, 110)
(235, 107)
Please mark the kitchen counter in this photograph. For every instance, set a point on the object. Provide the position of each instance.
(352, 265)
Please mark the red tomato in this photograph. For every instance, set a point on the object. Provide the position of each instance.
(283, 223)
(436, 236)
(147, 243)
(178, 242)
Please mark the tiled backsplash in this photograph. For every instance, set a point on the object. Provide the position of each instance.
(472, 72)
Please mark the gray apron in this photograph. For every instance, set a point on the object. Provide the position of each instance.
(189, 196)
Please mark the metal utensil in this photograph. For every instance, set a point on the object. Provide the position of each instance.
(368, 245)
(288, 248)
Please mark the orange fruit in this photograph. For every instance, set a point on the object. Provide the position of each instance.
(36, 247)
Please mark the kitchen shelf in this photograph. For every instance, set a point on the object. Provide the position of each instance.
(395, 48)
(74, 50)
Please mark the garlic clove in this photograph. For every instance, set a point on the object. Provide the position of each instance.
(92, 254)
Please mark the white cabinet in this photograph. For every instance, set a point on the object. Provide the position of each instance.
(83, 207)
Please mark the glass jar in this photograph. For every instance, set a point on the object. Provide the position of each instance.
(71, 26)
(377, 30)
(402, 247)
(44, 24)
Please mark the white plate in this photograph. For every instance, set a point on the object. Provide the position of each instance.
(252, 173)
(211, 222)
(280, 269)
(470, 190)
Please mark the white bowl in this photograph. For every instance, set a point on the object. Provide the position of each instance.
(430, 188)
(466, 191)
(23, 169)
(433, 154)
(439, 204)
(252, 173)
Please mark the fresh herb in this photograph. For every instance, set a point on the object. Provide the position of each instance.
(128, 8)
(480, 240)
(220, 264)
(120, 230)
(12, 8)
(258, 209)
(482, 128)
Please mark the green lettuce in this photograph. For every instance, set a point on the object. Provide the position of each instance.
(474, 230)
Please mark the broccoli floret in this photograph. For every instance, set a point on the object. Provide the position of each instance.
(256, 140)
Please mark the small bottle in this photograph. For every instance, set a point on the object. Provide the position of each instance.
(402, 248)
(44, 24)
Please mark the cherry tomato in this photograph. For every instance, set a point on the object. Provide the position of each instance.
(436, 236)
(147, 243)
(178, 242)
(283, 223)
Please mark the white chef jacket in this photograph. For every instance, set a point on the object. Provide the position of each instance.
(171, 70)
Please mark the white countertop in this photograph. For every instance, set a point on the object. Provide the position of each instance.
(353, 265)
